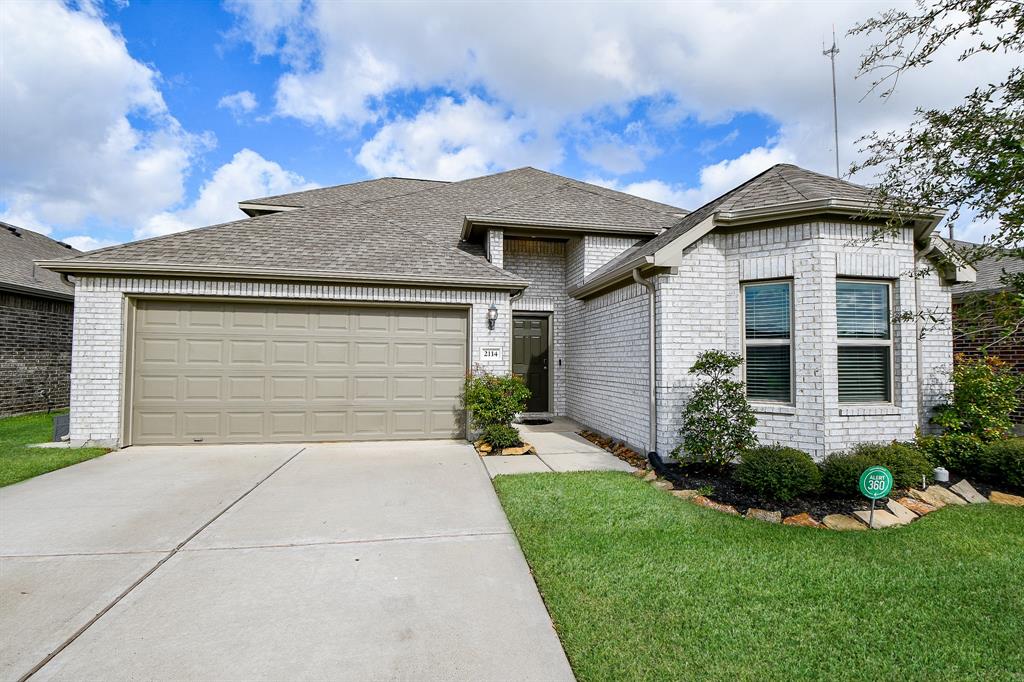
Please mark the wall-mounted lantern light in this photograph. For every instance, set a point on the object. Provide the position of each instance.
(492, 316)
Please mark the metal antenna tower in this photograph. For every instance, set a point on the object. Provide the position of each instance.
(831, 54)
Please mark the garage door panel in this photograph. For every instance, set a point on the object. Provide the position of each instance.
(250, 372)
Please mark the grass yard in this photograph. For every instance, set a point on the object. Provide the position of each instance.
(18, 462)
(643, 586)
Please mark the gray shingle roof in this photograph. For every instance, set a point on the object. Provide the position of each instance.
(18, 248)
(990, 268)
(354, 193)
(413, 235)
(777, 186)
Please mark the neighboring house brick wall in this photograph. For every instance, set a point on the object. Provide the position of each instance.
(606, 367)
(98, 360)
(542, 263)
(699, 309)
(990, 344)
(35, 353)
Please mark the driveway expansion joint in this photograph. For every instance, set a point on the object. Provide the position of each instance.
(106, 609)
(360, 541)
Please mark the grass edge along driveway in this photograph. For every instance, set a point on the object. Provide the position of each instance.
(19, 462)
(644, 586)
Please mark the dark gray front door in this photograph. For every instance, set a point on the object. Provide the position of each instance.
(530, 359)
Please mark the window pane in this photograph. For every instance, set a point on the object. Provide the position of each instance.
(862, 310)
(768, 373)
(767, 310)
(863, 374)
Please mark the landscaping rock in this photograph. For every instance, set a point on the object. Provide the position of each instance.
(803, 519)
(900, 511)
(1006, 498)
(881, 519)
(764, 515)
(917, 506)
(484, 448)
(943, 494)
(965, 490)
(650, 476)
(524, 449)
(842, 522)
(927, 497)
(685, 494)
(662, 485)
(717, 506)
(641, 473)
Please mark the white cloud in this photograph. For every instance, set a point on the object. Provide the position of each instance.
(450, 140)
(238, 103)
(86, 132)
(84, 242)
(247, 176)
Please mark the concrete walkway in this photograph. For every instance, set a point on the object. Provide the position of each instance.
(343, 561)
(559, 448)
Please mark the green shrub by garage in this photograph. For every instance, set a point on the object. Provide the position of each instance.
(501, 436)
(778, 472)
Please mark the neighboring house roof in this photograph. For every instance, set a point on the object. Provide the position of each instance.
(354, 193)
(413, 237)
(990, 268)
(18, 249)
(780, 192)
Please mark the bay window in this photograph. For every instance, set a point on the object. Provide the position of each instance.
(768, 341)
(865, 341)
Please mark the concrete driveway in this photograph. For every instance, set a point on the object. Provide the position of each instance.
(341, 561)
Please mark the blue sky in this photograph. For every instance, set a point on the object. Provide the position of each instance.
(124, 120)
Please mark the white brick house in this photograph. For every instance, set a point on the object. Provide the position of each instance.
(352, 312)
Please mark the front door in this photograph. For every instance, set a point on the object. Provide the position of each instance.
(530, 359)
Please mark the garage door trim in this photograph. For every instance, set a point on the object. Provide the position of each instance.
(129, 328)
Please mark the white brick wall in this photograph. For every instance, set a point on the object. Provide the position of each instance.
(542, 263)
(97, 365)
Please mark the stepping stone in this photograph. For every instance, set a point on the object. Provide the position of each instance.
(685, 494)
(717, 506)
(803, 519)
(882, 518)
(662, 485)
(842, 522)
(1006, 498)
(943, 494)
(899, 511)
(967, 491)
(917, 506)
(764, 515)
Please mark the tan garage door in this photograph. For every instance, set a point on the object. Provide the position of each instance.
(269, 372)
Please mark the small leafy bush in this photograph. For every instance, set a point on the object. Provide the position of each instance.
(501, 436)
(985, 393)
(778, 472)
(959, 452)
(1002, 461)
(494, 399)
(718, 423)
(840, 471)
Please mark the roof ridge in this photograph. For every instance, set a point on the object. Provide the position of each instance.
(257, 200)
(790, 184)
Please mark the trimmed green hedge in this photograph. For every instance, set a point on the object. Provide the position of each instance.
(778, 472)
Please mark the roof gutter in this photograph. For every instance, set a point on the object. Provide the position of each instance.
(652, 369)
(216, 272)
(37, 291)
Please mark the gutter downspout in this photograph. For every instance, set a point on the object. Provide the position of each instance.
(652, 374)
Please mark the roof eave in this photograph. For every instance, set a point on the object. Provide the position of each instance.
(611, 279)
(471, 222)
(36, 291)
(220, 272)
(924, 221)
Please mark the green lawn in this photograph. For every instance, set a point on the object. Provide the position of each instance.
(18, 462)
(643, 586)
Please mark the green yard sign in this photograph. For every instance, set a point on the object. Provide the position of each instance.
(876, 482)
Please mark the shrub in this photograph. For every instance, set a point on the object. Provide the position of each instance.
(840, 471)
(959, 452)
(778, 472)
(1002, 461)
(501, 436)
(494, 399)
(985, 393)
(718, 423)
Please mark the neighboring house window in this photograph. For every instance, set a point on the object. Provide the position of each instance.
(768, 341)
(865, 342)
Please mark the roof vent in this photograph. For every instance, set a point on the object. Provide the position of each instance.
(13, 230)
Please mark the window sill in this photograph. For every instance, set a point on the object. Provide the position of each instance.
(870, 411)
(769, 408)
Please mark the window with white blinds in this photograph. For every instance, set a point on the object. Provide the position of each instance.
(865, 341)
(768, 341)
